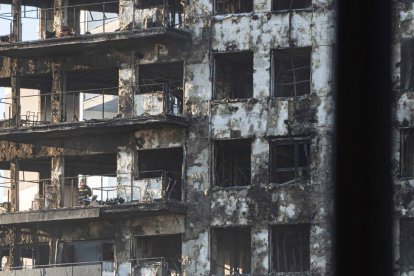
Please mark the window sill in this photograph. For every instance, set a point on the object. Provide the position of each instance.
(309, 9)
(292, 98)
(238, 100)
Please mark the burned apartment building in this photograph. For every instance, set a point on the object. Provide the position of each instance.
(202, 127)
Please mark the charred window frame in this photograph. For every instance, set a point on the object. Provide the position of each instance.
(407, 242)
(407, 62)
(232, 6)
(232, 162)
(283, 5)
(290, 248)
(407, 153)
(233, 75)
(289, 159)
(231, 251)
(291, 69)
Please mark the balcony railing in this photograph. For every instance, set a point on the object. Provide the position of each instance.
(154, 99)
(151, 186)
(83, 19)
(94, 18)
(144, 266)
(103, 268)
(93, 104)
(156, 267)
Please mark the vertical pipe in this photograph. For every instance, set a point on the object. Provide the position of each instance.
(71, 193)
(101, 188)
(103, 103)
(103, 17)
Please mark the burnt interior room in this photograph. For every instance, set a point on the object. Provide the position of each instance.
(163, 78)
(153, 76)
(290, 248)
(232, 162)
(407, 150)
(33, 176)
(407, 61)
(233, 6)
(291, 72)
(87, 251)
(26, 256)
(280, 5)
(100, 91)
(96, 164)
(406, 242)
(231, 251)
(233, 75)
(165, 246)
(289, 159)
(163, 162)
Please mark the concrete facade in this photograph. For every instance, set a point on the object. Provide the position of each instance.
(158, 129)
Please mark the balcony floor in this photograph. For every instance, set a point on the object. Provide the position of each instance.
(43, 133)
(106, 212)
(74, 44)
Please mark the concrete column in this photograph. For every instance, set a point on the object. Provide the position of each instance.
(15, 93)
(125, 169)
(123, 245)
(57, 89)
(16, 34)
(54, 191)
(126, 14)
(14, 191)
(260, 161)
(260, 250)
(128, 78)
(59, 18)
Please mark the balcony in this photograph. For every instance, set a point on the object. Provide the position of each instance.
(94, 26)
(89, 112)
(143, 267)
(87, 269)
(153, 193)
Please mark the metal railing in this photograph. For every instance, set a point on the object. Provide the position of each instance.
(92, 104)
(63, 269)
(170, 184)
(105, 190)
(94, 18)
(152, 99)
(101, 103)
(83, 19)
(143, 266)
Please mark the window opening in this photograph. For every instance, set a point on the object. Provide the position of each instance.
(292, 72)
(232, 163)
(233, 75)
(289, 159)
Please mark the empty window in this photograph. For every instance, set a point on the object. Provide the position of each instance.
(290, 248)
(279, 5)
(233, 75)
(233, 6)
(30, 256)
(407, 242)
(165, 163)
(407, 153)
(87, 251)
(289, 159)
(231, 251)
(167, 247)
(407, 61)
(232, 163)
(291, 69)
